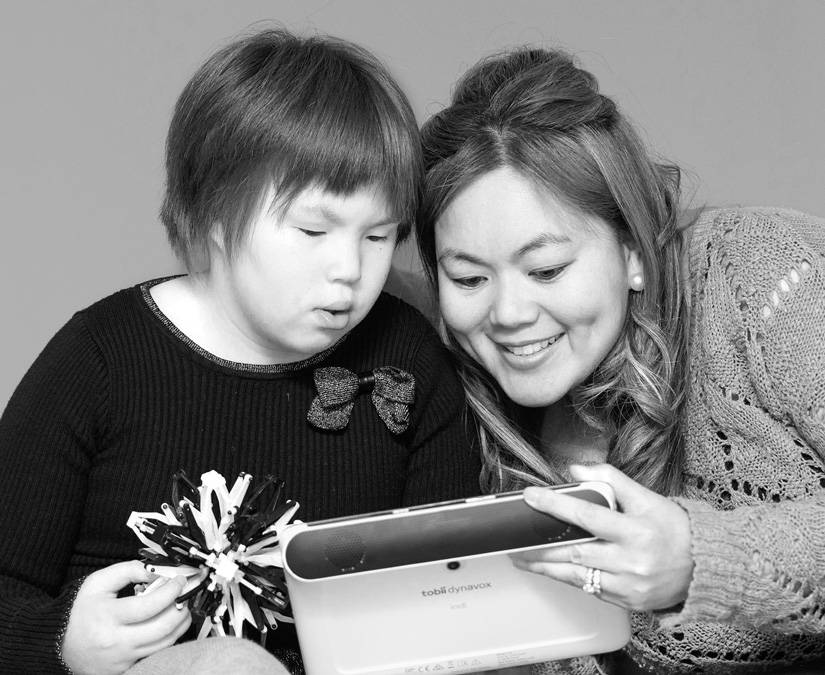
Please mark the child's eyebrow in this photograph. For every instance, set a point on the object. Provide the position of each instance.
(331, 216)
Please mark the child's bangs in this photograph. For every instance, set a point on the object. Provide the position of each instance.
(352, 136)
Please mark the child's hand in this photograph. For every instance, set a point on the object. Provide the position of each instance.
(106, 635)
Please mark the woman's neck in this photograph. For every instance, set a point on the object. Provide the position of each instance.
(566, 436)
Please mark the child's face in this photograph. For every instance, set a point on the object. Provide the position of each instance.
(307, 276)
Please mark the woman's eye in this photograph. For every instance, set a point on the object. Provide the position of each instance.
(311, 233)
(377, 237)
(468, 282)
(547, 274)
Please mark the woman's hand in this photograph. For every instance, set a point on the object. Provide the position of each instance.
(106, 635)
(643, 553)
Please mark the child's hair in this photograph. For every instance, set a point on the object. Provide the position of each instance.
(274, 110)
(533, 110)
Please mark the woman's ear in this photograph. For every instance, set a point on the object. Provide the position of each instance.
(635, 269)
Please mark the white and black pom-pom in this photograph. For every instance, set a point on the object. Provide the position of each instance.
(226, 543)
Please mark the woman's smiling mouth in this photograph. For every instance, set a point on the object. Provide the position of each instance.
(531, 347)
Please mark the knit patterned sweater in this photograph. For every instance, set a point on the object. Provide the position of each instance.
(119, 400)
(755, 453)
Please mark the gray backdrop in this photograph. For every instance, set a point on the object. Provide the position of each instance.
(730, 89)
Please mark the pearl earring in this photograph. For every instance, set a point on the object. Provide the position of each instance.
(637, 282)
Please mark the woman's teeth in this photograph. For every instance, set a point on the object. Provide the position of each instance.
(527, 350)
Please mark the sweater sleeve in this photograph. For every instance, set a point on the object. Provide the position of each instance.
(46, 435)
(444, 462)
(764, 565)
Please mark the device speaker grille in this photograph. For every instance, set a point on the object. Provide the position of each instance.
(549, 529)
(345, 550)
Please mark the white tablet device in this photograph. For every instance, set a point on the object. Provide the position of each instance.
(431, 589)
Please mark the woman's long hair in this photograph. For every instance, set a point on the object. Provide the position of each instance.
(535, 111)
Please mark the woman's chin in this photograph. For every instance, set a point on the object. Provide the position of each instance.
(532, 396)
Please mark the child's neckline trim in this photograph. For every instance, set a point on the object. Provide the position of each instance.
(273, 368)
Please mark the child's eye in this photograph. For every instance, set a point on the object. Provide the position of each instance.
(548, 274)
(468, 282)
(383, 234)
(311, 233)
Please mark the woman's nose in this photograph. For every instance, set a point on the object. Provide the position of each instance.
(513, 306)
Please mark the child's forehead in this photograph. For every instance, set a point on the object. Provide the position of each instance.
(318, 200)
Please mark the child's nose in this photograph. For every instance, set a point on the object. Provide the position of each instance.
(346, 263)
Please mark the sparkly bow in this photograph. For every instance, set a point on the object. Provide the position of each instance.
(393, 393)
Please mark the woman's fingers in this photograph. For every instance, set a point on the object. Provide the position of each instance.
(630, 495)
(574, 575)
(600, 521)
(589, 554)
(569, 573)
(632, 499)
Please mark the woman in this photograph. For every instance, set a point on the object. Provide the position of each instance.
(605, 335)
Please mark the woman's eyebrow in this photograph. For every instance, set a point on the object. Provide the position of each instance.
(537, 242)
(544, 239)
(460, 256)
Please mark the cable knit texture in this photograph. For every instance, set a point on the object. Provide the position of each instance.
(755, 469)
(119, 400)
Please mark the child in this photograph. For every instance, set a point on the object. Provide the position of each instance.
(293, 171)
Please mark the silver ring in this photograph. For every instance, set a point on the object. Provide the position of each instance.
(592, 581)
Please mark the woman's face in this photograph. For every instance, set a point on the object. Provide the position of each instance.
(535, 292)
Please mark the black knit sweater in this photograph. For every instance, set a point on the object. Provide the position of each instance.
(120, 399)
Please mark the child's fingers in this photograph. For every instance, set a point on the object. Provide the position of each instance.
(139, 608)
(161, 631)
(111, 579)
(148, 588)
